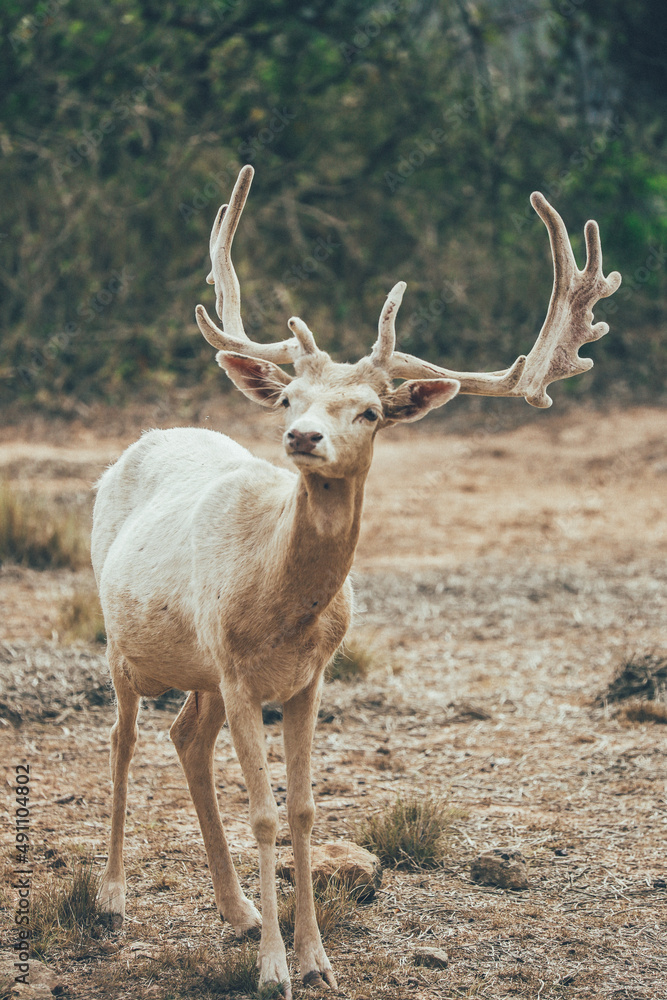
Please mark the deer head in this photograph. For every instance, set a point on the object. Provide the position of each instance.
(333, 411)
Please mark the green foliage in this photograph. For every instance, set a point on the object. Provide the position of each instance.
(40, 536)
(411, 833)
(392, 140)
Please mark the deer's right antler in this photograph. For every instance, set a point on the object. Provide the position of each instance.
(233, 337)
(568, 325)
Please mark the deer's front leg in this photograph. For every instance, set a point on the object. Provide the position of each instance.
(245, 723)
(299, 720)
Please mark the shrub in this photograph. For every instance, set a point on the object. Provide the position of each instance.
(409, 834)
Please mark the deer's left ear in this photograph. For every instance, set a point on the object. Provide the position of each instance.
(413, 399)
(261, 381)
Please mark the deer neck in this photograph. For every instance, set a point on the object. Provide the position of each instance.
(324, 518)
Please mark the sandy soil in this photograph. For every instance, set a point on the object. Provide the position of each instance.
(501, 579)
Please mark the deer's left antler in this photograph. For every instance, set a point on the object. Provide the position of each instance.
(567, 327)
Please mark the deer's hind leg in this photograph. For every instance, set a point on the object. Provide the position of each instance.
(111, 895)
(194, 733)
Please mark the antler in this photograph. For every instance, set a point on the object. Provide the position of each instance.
(568, 325)
(228, 293)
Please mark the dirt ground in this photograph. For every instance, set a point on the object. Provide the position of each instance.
(502, 578)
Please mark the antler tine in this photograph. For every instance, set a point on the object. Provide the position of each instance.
(383, 348)
(227, 290)
(213, 238)
(303, 335)
(569, 321)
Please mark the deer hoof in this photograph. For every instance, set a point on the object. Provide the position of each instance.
(111, 904)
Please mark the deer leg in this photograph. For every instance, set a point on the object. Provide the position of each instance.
(299, 720)
(111, 895)
(194, 733)
(245, 722)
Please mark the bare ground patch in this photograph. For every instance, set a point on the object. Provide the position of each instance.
(497, 603)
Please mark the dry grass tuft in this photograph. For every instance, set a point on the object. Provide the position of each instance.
(81, 617)
(39, 535)
(643, 711)
(642, 676)
(63, 912)
(350, 663)
(189, 969)
(335, 906)
(177, 972)
(411, 833)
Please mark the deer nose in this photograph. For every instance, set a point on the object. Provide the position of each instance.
(304, 442)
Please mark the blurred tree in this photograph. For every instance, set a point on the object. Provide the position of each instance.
(392, 139)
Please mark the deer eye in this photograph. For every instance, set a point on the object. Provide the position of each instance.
(370, 415)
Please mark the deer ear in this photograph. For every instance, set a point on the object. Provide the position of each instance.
(261, 381)
(412, 400)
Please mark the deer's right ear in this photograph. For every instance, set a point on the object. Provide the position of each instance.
(261, 381)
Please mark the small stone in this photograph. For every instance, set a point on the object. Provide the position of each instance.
(505, 869)
(435, 958)
(342, 860)
(141, 949)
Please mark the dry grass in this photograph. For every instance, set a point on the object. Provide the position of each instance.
(642, 675)
(38, 535)
(81, 617)
(483, 618)
(176, 972)
(64, 912)
(412, 833)
(335, 907)
(643, 711)
(185, 970)
(351, 663)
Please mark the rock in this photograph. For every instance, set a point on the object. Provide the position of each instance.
(30, 992)
(506, 869)
(342, 860)
(42, 981)
(436, 958)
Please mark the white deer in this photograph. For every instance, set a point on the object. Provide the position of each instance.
(227, 577)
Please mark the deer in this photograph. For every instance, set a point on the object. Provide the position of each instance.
(227, 577)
